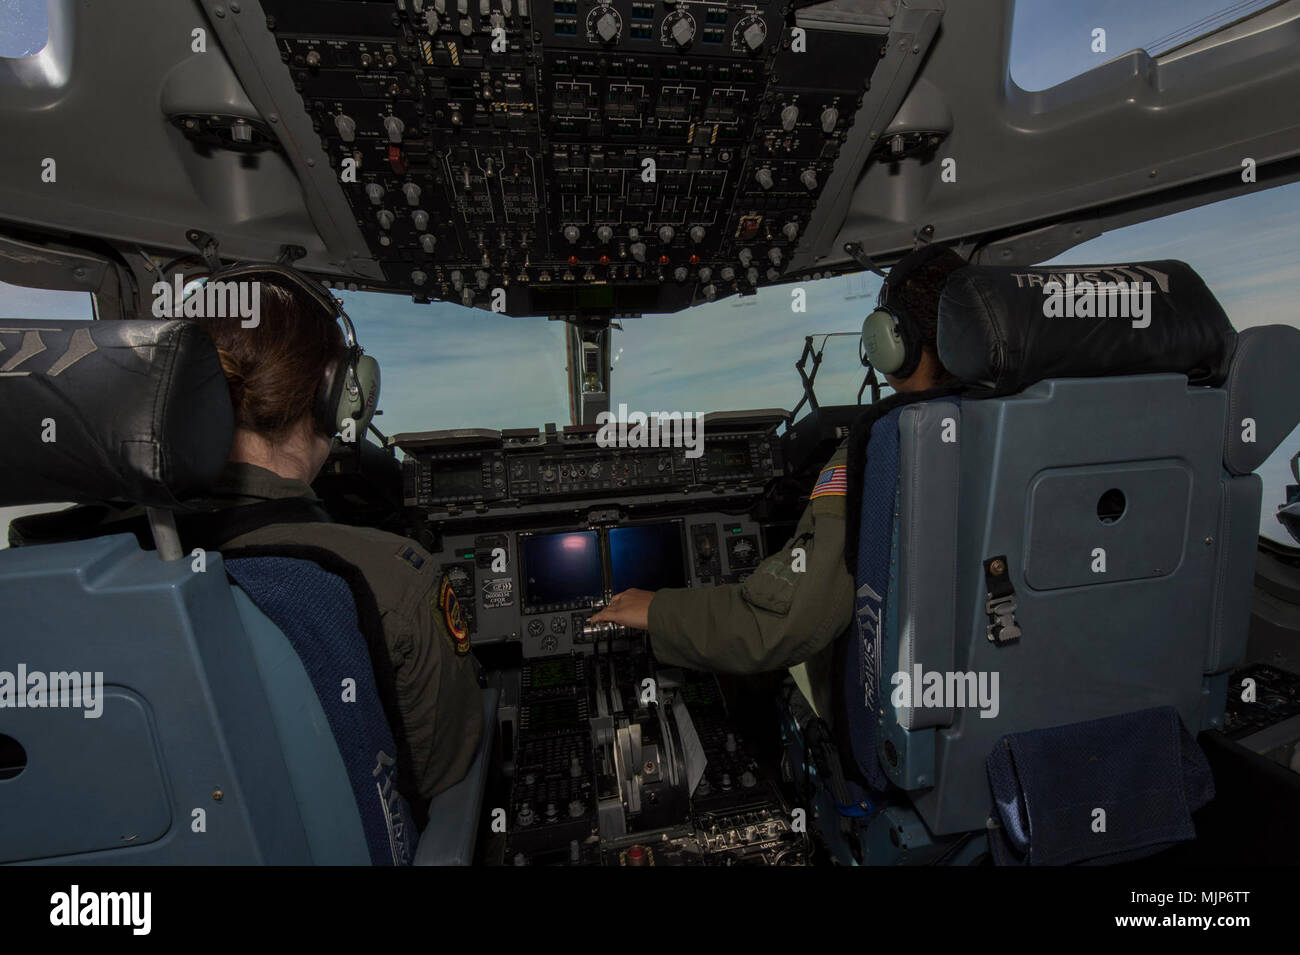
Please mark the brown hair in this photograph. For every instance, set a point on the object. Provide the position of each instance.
(275, 369)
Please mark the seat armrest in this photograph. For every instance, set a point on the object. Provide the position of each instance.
(452, 831)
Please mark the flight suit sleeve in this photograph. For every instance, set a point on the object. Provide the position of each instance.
(780, 616)
(437, 684)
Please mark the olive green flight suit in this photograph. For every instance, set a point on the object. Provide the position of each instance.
(437, 687)
(778, 617)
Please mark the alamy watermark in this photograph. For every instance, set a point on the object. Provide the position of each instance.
(1116, 292)
(918, 689)
(242, 300)
(654, 429)
(59, 689)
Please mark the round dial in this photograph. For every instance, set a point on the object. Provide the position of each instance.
(604, 24)
(749, 34)
(535, 628)
(678, 30)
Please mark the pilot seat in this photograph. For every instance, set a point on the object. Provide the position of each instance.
(1055, 568)
(219, 737)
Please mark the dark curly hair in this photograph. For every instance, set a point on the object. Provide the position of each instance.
(916, 296)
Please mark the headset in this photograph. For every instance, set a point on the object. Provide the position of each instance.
(889, 339)
(350, 388)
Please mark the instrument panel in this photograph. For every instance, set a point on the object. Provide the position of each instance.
(584, 156)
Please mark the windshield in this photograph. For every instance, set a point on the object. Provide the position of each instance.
(1056, 40)
(445, 366)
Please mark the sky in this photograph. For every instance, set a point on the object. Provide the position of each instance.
(1052, 40)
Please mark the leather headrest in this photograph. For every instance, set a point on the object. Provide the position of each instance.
(122, 411)
(1002, 328)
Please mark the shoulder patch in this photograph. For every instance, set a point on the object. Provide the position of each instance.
(454, 618)
(411, 554)
(832, 481)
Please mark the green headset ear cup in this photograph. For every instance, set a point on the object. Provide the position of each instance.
(882, 342)
(359, 405)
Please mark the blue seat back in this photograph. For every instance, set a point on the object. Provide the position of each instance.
(187, 762)
(1130, 548)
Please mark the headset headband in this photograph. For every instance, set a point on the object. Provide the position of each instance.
(313, 289)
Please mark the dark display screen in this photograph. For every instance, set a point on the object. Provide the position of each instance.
(465, 480)
(647, 557)
(561, 569)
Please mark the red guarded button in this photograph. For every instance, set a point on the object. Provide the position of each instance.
(396, 160)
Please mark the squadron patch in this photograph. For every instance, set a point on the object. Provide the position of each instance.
(453, 617)
(833, 481)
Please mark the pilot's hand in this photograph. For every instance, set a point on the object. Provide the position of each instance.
(629, 609)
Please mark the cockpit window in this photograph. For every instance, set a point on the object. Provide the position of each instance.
(1244, 249)
(445, 366)
(24, 28)
(18, 301)
(1056, 40)
(740, 352)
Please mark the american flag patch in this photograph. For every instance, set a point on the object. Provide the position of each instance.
(833, 480)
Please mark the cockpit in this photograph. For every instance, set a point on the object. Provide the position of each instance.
(814, 433)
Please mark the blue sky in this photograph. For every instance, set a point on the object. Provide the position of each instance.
(1051, 40)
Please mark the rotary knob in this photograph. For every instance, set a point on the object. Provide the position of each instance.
(774, 255)
(571, 233)
(683, 31)
(745, 256)
(375, 193)
(710, 293)
(680, 273)
(666, 234)
(705, 273)
(764, 178)
(347, 127)
(809, 179)
(466, 26)
(830, 116)
(607, 27)
(412, 193)
(421, 220)
(727, 273)
(427, 242)
(754, 35)
(604, 233)
(789, 116)
(481, 280)
(751, 275)
(697, 234)
(457, 280)
(467, 296)
(638, 251)
(431, 21)
(418, 277)
(385, 219)
(790, 230)
(394, 126)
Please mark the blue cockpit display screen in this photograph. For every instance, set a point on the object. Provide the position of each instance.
(561, 570)
(648, 557)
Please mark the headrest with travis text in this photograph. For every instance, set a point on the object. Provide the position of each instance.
(1002, 328)
(111, 411)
